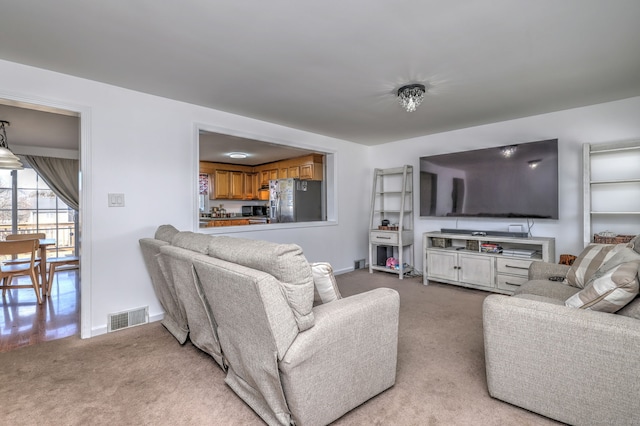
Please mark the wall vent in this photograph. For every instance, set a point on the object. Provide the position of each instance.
(359, 264)
(127, 319)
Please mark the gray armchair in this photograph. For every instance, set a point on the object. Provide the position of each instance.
(310, 377)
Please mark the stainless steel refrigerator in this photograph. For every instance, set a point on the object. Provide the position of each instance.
(294, 200)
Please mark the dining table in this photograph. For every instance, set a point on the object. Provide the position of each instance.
(43, 244)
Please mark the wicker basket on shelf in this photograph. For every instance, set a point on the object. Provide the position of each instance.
(618, 239)
(472, 245)
(441, 242)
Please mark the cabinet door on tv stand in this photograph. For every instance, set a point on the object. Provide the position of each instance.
(476, 269)
(442, 265)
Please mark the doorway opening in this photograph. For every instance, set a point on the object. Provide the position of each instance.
(29, 205)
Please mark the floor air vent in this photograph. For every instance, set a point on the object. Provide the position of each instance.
(128, 319)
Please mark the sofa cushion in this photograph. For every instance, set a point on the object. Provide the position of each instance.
(539, 298)
(589, 261)
(550, 289)
(326, 288)
(632, 310)
(165, 233)
(192, 241)
(285, 262)
(610, 291)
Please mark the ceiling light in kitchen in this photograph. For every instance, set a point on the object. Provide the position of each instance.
(238, 155)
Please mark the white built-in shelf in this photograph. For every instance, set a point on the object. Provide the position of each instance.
(615, 213)
(392, 211)
(611, 194)
(613, 182)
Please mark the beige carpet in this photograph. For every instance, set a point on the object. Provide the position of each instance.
(142, 376)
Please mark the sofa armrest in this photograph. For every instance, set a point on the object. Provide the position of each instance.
(544, 270)
(348, 357)
(576, 366)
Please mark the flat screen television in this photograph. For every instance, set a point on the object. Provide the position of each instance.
(513, 181)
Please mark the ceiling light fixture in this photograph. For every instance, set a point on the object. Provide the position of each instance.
(508, 151)
(411, 96)
(238, 155)
(8, 161)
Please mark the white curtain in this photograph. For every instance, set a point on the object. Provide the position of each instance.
(61, 174)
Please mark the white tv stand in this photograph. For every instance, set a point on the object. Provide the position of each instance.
(458, 259)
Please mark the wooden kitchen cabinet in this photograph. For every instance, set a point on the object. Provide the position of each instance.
(306, 171)
(250, 186)
(221, 184)
(283, 173)
(267, 175)
(264, 177)
(237, 185)
(293, 172)
(263, 194)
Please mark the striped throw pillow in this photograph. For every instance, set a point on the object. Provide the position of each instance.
(609, 292)
(326, 288)
(588, 262)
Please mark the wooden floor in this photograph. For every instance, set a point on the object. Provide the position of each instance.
(23, 322)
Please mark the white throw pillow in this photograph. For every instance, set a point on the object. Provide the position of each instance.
(610, 291)
(325, 283)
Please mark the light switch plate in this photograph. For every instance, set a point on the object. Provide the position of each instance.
(116, 200)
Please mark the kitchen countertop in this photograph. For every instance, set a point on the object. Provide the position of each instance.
(207, 219)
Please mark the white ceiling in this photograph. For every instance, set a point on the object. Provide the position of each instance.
(333, 67)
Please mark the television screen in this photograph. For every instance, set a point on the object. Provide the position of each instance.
(514, 181)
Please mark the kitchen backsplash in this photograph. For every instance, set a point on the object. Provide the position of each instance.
(232, 206)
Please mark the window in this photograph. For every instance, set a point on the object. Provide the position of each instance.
(28, 205)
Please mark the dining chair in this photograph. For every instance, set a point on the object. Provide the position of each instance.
(9, 270)
(20, 237)
(53, 264)
(29, 236)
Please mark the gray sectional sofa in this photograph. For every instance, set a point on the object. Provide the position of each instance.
(250, 305)
(550, 350)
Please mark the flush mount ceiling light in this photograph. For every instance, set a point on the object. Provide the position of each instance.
(508, 151)
(8, 161)
(534, 163)
(411, 96)
(238, 155)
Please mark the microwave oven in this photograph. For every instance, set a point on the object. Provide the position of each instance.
(254, 210)
(259, 211)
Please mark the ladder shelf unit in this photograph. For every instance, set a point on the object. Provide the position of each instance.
(391, 219)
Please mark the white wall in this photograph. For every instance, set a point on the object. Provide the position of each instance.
(145, 147)
(608, 122)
